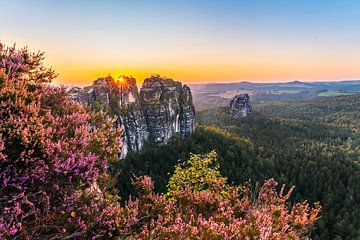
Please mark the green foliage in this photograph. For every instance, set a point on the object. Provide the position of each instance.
(320, 160)
(114, 106)
(297, 148)
(97, 106)
(333, 93)
(200, 172)
(236, 156)
(341, 111)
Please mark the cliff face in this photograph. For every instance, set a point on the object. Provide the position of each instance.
(240, 106)
(168, 109)
(162, 109)
(187, 116)
(136, 131)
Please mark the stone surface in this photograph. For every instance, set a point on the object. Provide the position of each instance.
(187, 116)
(130, 93)
(136, 131)
(162, 109)
(240, 106)
(79, 94)
(167, 108)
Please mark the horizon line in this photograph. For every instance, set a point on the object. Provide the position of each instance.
(229, 82)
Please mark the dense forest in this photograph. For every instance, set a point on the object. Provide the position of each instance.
(337, 111)
(313, 146)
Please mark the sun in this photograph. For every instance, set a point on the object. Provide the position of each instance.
(121, 80)
(121, 83)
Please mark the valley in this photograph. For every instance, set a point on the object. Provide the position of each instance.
(313, 145)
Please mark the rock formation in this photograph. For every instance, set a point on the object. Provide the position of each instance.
(167, 107)
(162, 109)
(240, 106)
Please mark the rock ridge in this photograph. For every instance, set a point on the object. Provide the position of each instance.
(161, 109)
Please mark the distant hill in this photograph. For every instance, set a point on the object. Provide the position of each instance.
(219, 94)
(338, 111)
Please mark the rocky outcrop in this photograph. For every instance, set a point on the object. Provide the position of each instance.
(162, 109)
(80, 95)
(168, 109)
(187, 116)
(240, 106)
(135, 132)
(106, 91)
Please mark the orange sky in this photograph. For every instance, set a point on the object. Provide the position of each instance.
(80, 66)
(205, 41)
(201, 70)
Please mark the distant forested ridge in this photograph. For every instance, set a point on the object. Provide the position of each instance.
(312, 145)
(219, 94)
(339, 111)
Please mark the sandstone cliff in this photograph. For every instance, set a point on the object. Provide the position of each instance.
(240, 106)
(168, 108)
(162, 109)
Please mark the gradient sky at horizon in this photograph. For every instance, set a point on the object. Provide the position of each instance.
(191, 41)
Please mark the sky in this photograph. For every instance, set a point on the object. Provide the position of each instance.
(191, 41)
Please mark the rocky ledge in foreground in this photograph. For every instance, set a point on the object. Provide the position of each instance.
(161, 109)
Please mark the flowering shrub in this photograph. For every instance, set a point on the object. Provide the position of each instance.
(54, 176)
(52, 152)
(203, 206)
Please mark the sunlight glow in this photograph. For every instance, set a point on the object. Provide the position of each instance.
(120, 80)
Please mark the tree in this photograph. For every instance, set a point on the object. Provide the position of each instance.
(199, 173)
(202, 205)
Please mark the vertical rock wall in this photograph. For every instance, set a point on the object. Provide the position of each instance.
(163, 108)
(162, 102)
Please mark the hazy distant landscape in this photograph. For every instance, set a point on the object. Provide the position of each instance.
(219, 94)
